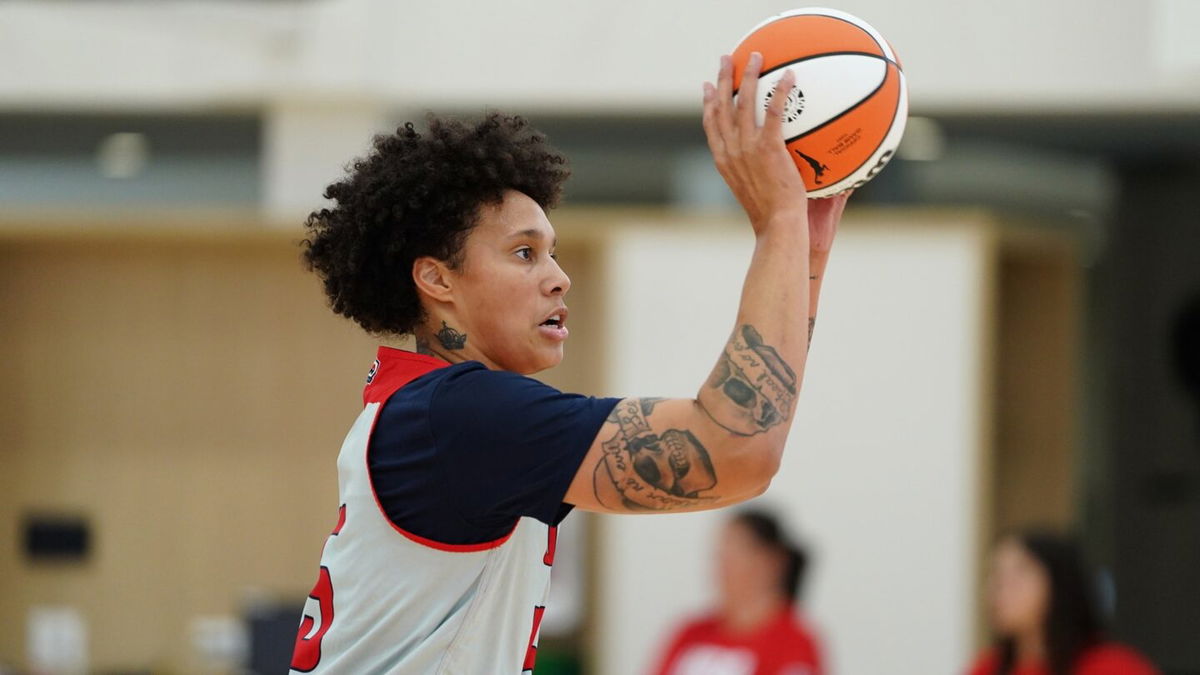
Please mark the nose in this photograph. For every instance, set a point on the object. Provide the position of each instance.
(557, 282)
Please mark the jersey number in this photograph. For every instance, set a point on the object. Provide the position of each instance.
(548, 560)
(318, 614)
(531, 652)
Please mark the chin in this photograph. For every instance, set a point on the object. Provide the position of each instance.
(542, 362)
(527, 363)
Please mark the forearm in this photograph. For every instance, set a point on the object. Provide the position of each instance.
(752, 389)
(816, 276)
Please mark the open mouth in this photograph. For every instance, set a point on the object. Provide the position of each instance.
(554, 327)
(556, 319)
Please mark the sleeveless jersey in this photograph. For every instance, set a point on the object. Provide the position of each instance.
(391, 600)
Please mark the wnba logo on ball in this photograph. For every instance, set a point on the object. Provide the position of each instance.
(792, 107)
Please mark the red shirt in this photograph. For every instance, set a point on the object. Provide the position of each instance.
(783, 645)
(1108, 658)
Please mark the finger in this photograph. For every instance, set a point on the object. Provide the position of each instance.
(748, 94)
(827, 210)
(773, 126)
(723, 115)
(716, 144)
(839, 206)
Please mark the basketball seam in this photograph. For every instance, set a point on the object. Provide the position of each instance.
(817, 56)
(845, 112)
(882, 49)
(891, 124)
(821, 56)
(820, 11)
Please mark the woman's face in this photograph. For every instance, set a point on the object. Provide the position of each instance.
(745, 566)
(509, 285)
(1018, 590)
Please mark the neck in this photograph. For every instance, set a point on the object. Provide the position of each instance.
(1031, 647)
(748, 613)
(440, 339)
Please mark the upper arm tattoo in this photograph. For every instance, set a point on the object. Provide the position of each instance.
(646, 471)
(752, 388)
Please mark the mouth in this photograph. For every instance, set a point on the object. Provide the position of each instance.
(554, 326)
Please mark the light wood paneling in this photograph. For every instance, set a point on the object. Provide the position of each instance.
(1035, 402)
(187, 393)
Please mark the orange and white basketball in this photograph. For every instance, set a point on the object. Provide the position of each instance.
(845, 116)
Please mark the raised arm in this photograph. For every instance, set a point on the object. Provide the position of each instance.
(725, 445)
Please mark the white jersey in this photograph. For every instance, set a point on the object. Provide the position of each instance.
(391, 601)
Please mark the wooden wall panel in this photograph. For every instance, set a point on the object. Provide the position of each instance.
(1036, 379)
(188, 395)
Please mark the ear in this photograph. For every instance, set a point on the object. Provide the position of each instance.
(433, 279)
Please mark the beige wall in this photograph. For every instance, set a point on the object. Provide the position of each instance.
(188, 395)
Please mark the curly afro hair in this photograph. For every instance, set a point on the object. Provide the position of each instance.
(419, 195)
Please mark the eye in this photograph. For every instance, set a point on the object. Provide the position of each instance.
(525, 253)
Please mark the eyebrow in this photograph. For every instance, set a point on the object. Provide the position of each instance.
(532, 233)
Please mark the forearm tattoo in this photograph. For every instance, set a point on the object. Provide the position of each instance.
(812, 323)
(645, 471)
(752, 388)
(450, 338)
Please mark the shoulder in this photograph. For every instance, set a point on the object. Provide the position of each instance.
(697, 627)
(795, 629)
(1111, 658)
(472, 383)
(985, 663)
(470, 399)
(799, 638)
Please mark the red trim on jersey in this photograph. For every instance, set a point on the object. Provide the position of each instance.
(396, 369)
(551, 544)
(337, 529)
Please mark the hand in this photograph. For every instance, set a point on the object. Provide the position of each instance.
(753, 160)
(823, 218)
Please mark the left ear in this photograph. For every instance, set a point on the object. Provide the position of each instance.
(433, 279)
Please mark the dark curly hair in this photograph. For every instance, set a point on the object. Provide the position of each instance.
(419, 195)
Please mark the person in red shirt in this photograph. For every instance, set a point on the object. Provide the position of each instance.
(756, 628)
(1044, 615)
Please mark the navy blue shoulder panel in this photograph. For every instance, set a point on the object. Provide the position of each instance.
(458, 454)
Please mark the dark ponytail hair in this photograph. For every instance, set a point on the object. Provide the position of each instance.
(1073, 622)
(766, 529)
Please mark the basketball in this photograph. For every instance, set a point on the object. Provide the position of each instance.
(845, 116)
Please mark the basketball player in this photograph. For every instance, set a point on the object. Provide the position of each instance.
(455, 475)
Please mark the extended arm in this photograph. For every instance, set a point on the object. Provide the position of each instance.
(725, 445)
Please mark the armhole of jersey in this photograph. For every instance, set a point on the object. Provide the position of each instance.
(416, 538)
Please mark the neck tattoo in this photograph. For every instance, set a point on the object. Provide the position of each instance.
(450, 338)
(423, 346)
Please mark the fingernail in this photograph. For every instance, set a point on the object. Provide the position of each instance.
(708, 89)
(724, 61)
(756, 58)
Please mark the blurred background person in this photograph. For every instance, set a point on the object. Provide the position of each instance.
(1044, 614)
(756, 628)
